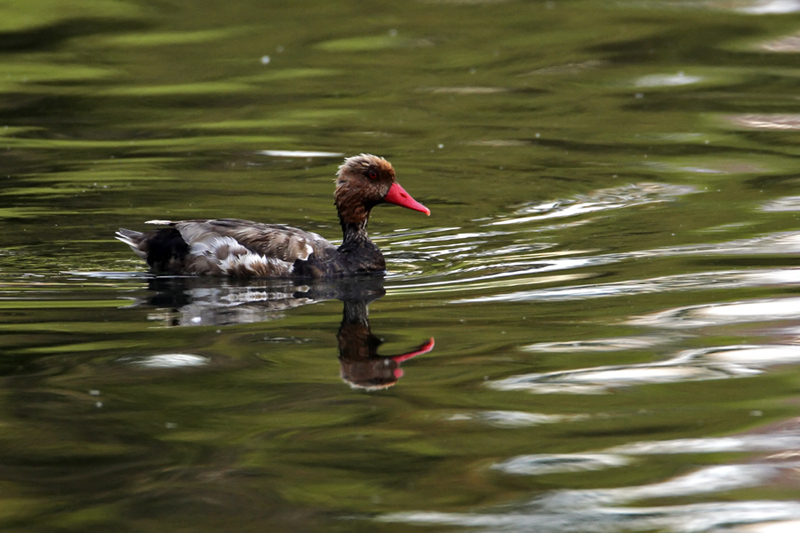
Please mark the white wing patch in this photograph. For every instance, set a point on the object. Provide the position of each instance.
(160, 222)
(224, 255)
(309, 251)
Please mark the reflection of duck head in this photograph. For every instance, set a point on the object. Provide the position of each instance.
(359, 362)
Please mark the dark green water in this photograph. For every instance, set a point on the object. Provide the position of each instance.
(608, 271)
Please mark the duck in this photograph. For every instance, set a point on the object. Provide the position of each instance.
(244, 249)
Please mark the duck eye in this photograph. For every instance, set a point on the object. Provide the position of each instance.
(372, 174)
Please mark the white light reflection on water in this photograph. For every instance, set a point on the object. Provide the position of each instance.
(501, 279)
(599, 380)
(604, 510)
(545, 463)
(515, 419)
(699, 281)
(787, 203)
(690, 365)
(597, 345)
(760, 310)
(460, 252)
(768, 442)
(787, 44)
(600, 200)
(601, 510)
(698, 518)
(667, 80)
(298, 153)
(767, 121)
(171, 360)
(771, 7)
(707, 480)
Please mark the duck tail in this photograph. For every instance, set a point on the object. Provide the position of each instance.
(134, 239)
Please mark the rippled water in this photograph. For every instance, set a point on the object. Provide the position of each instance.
(596, 330)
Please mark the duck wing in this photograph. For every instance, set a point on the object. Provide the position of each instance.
(229, 247)
(276, 241)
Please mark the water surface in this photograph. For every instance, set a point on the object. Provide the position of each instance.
(596, 330)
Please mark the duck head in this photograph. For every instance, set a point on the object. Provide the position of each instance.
(364, 181)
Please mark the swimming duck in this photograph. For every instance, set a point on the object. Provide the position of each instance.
(241, 248)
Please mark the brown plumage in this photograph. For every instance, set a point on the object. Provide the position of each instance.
(241, 248)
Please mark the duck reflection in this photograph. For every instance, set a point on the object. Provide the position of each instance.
(359, 362)
(204, 302)
(183, 301)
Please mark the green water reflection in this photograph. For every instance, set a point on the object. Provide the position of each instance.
(608, 271)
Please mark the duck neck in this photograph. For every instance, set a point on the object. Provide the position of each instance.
(355, 236)
(357, 252)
